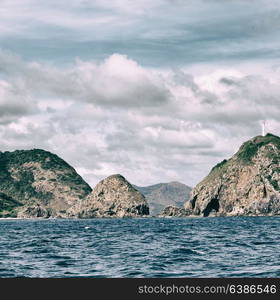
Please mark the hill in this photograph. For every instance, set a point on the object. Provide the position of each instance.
(246, 184)
(38, 183)
(162, 195)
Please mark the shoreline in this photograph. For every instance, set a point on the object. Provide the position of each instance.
(150, 217)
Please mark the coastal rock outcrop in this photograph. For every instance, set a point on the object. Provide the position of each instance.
(37, 183)
(162, 195)
(246, 184)
(112, 197)
(173, 211)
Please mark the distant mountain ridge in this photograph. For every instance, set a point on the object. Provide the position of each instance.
(165, 194)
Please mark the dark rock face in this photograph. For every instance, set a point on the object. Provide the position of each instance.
(37, 183)
(165, 194)
(8, 205)
(246, 184)
(112, 197)
(173, 211)
(36, 211)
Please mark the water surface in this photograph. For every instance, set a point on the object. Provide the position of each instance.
(148, 247)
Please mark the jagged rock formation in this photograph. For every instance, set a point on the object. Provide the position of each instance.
(173, 211)
(37, 183)
(162, 195)
(112, 197)
(246, 184)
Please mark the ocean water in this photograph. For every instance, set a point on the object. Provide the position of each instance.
(148, 247)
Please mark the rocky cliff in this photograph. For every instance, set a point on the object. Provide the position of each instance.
(162, 195)
(246, 184)
(37, 183)
(112, 197)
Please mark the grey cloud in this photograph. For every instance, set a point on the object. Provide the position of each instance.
(148, 31)
(26, 137)
(15, 103)
(118, 81)
(108, 113)
(245, 99)
(228, 81)
(256, 90)
(184, 79)
(90, 114)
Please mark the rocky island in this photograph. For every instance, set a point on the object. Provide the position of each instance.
(246, 184)
(112, 197)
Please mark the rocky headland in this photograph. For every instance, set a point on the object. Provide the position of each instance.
(246, 184)
(37, 183)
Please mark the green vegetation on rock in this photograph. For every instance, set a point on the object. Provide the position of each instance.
(8, 206)
(219, 165)
(249, 149)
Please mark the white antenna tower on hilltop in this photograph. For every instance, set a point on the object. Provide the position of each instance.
(263, 128)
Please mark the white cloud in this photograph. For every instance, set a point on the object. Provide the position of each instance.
(14, 102)
(117, 81)
(116, 116)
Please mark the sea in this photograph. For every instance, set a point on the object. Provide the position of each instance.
(141, 247)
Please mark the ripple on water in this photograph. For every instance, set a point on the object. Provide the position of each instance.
(214, 247)
(185, 251)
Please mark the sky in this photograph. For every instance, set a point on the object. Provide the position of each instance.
(157, 91)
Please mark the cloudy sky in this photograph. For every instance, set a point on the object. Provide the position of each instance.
(154, 90)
